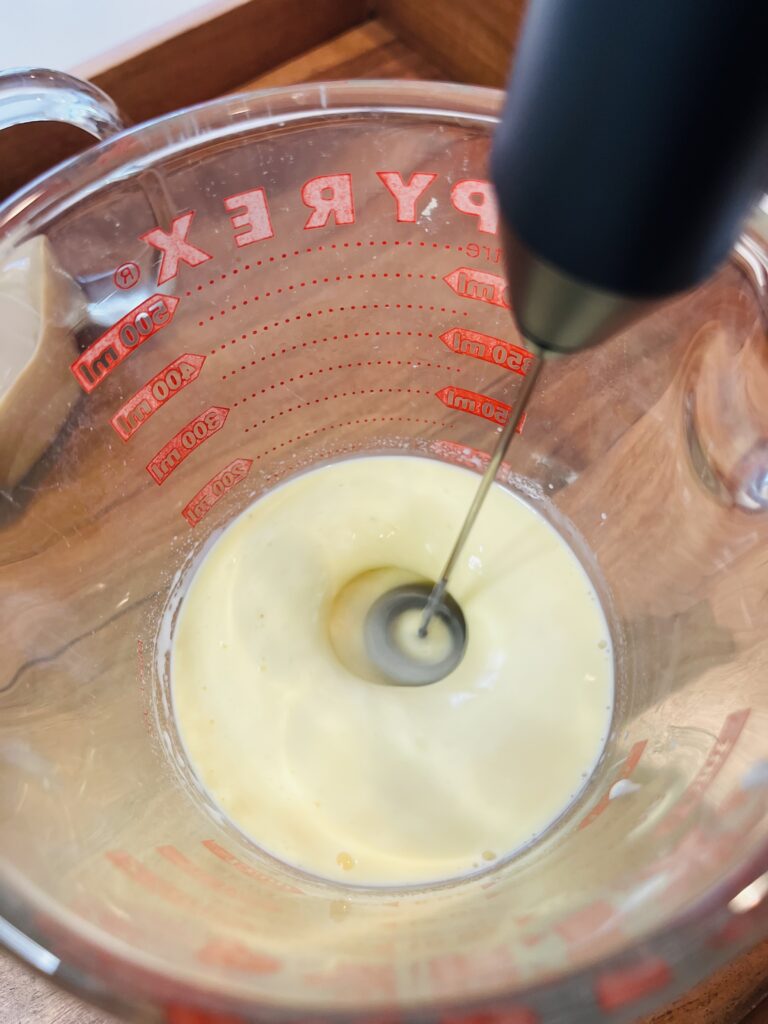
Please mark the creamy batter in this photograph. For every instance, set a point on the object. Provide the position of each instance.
(361, 782)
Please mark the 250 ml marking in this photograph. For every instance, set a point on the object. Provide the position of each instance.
(489, 349)
(155, 393)
(198, 508)
(477, 405)
(108, 351)
(182, 444)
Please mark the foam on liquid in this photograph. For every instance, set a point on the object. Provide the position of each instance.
(383, 785)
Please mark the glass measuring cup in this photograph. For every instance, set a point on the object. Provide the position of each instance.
(250, 288)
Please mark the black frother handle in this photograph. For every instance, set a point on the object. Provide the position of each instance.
(634, 138)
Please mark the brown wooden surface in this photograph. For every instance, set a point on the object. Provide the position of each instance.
(220, 55)
(371, 50)
(469, 41)
(195, 65)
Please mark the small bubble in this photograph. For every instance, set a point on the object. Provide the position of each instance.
(338, 910)
(345, 861)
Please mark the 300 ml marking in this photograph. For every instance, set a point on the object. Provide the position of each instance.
(155, 393)
(198, 508)
(184, 443)
(477, 405)
(490, 350)
(108, 351)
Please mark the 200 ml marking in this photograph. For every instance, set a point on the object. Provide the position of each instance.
(184, 443)
(155, 393)
(487, 408)
(136, 327)
(198, 508)
(489, 349)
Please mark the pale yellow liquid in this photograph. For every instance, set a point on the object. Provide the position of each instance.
(371, 784)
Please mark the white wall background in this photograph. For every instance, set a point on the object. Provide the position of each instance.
(76, 35)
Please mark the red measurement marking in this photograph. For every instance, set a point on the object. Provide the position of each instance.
(480, 285)
(108, 351)
(245, 869)
(126, 275)
(508, 1015)
(177, 1014)
(183, 864)
(238, 957)
(628, 984)
(476, 404)
(583, 923)
(155, 393)
(191, 436)
(630, 763)
(452, 973)
(597, 926)
(136, 871)
(356, 978)
(716, 758)
(489, 349)
(198, 508)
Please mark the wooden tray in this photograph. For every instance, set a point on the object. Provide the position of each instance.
(264, 43)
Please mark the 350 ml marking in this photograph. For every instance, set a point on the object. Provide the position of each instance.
(136, 327)
(469, 283)
(198, 508)
(184, 443)
(155, 393)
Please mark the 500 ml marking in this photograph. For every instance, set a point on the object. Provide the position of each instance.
(188, 438)
(489, 349)
(198, 508)
(477, 405)
(155, 393)
(136, 327)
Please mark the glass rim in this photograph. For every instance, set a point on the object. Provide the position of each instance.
(117, 158)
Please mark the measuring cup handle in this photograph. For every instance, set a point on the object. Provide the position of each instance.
(37, 94)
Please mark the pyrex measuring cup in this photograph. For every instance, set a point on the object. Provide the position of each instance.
(240, 291)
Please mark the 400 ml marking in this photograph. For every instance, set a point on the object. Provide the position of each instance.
(478, 405)
(184, 443)
(136, 327)
(489, 349)
(198, 508)
(155, 393)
